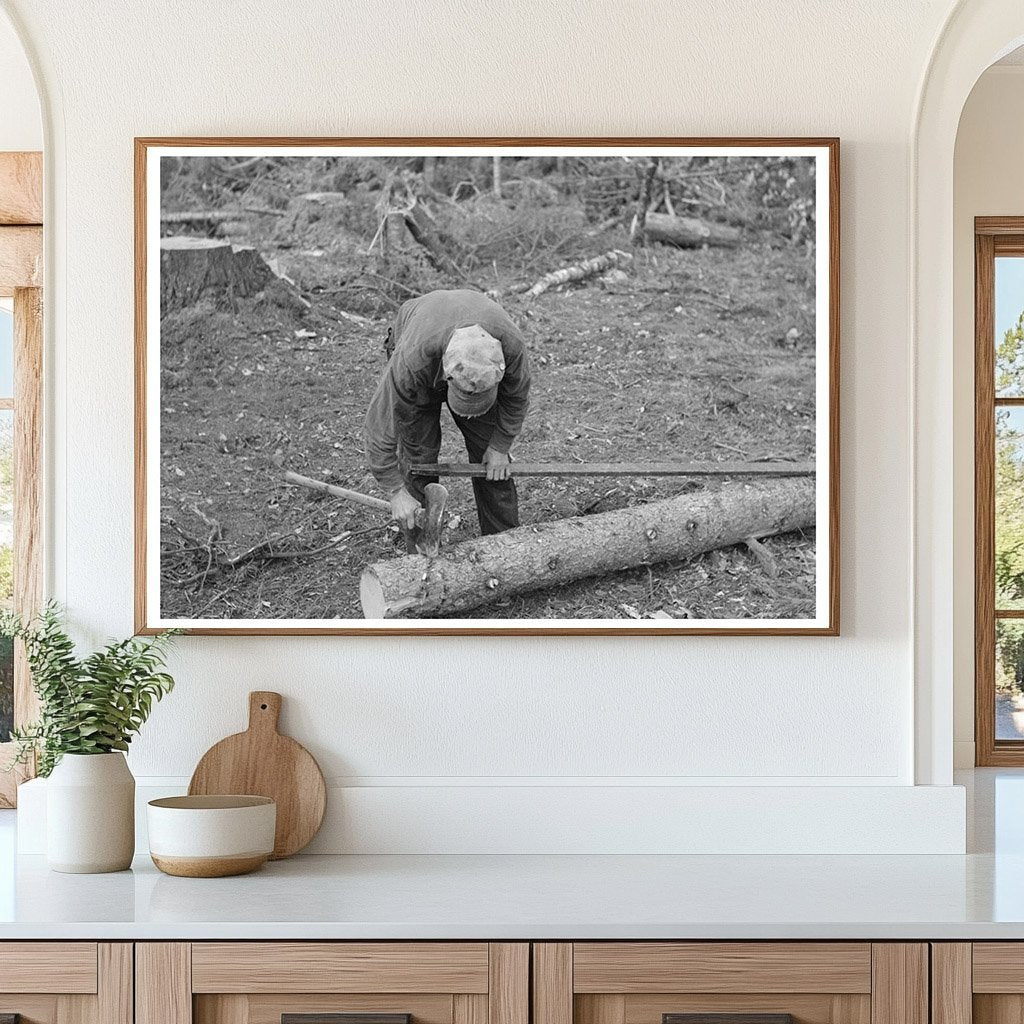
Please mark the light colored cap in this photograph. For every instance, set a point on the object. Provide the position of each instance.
(473, 365)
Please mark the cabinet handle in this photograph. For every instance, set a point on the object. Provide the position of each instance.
(336, 1018)
(727, 1018)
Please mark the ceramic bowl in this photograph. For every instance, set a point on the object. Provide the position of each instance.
(211, 836)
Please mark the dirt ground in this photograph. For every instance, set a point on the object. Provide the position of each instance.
(696, 355)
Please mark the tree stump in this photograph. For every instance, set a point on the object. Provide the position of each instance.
(191, 267)
(481, 571)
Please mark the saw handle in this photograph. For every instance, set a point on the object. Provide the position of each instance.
(264, 710)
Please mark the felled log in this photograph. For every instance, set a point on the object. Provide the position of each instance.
(579, 272)
(481, 571)
(688, 232)
(191, 267)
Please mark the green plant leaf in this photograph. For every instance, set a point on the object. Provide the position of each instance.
(90, 705)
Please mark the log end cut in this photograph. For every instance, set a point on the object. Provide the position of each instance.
(371, 596)
(374, 598)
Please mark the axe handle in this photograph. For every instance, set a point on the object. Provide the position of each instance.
(338, 492)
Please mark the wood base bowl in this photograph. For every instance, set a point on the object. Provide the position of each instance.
(211, 836)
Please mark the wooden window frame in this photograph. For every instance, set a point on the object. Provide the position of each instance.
(21, 278)
(993, 237)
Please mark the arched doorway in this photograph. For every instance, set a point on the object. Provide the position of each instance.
(977, 33)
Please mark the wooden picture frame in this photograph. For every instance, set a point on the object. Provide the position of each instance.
(826, 559)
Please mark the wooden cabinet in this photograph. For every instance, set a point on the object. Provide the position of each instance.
(66, 982)
(494, 983)
(306, 982)
(754, 982)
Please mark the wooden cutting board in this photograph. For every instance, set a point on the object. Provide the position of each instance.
(262, 762)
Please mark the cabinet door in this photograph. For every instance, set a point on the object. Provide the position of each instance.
(332, 983)
(730, 983)
(65, 983)
(980, 982)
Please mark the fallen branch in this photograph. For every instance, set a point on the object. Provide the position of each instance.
(764, 557)
(579, 272)
(488, 569)
(216, 216)
(608, 222)
(265, 551)
(424, 231)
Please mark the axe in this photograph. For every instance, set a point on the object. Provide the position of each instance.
(424, 538)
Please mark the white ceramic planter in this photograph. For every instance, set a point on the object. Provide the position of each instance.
(90, 814)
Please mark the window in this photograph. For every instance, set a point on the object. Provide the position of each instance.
(21, 366)
(20, 501)
(999, 490)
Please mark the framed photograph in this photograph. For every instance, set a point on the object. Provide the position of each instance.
(501, 386)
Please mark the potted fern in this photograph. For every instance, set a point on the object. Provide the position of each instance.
(90, 708)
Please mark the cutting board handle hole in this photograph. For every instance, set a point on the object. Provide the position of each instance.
(263, 707)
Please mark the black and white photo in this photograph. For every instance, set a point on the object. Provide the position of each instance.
(455, 386)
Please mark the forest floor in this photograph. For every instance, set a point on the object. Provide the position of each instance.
(695, 355)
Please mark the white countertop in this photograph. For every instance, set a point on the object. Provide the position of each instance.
(516, 897)
(977, 896)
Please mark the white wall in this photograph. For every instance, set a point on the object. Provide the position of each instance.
(454, 712)
(21, 126)
(987, 181)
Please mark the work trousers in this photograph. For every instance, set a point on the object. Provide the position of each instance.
(497, 501)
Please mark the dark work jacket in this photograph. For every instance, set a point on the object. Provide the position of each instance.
(406, 407)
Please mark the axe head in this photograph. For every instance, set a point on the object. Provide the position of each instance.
(430, 521)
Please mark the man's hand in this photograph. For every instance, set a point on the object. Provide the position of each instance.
(497, 464)
(404, 508)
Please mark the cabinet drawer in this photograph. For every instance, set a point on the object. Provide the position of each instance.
(634, 967)
(340, 967)
(332, 983)
(998, 967)
(730, 983)
(64, 967)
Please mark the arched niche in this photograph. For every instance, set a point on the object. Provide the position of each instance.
(976, 34)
